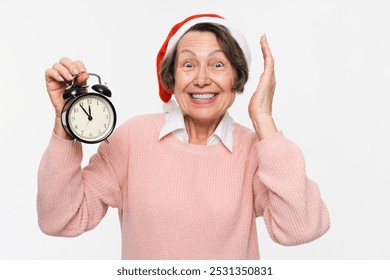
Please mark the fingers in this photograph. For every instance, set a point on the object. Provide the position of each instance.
(267, 55)
(53, 75)
(267, 78)
(71, 67)
(82, 72)
(65, 70)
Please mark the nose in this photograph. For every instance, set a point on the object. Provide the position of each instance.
(202, 77)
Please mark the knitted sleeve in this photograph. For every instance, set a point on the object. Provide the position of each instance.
(289, 201)
(71, 199)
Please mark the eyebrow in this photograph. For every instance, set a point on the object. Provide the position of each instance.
(194, 54)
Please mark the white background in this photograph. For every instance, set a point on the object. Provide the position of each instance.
(332, 66)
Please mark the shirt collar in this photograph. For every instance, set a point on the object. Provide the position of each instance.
(174, 123)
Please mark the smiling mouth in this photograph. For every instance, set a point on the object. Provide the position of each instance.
(205, 96)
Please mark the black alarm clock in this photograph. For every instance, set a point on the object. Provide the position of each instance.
(88, 116)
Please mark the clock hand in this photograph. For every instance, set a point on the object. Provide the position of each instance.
(89, 110)
(89, 116)
(84, 110)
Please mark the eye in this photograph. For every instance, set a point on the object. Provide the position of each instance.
(218, 64)
(188, 64)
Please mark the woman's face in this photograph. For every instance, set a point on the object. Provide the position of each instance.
(204, 77)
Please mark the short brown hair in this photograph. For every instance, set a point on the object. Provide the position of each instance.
(230, 48)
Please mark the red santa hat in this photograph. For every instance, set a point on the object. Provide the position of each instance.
(178, 31)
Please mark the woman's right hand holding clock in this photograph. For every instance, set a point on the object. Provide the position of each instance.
(57, 79)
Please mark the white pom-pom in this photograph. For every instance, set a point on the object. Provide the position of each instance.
(171, 104)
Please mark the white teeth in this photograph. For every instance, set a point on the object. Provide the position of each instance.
(203, 96)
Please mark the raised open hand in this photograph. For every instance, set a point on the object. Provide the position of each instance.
(260, 106)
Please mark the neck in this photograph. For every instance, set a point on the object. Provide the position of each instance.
(199, 131)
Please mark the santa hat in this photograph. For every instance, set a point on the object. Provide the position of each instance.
(178, 31)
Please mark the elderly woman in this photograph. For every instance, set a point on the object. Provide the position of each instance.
(190, 183)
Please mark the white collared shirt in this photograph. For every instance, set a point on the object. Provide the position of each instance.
(174, 123)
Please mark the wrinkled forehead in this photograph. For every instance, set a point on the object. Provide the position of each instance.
(199, 40)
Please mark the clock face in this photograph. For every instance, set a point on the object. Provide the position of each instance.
(91, 118)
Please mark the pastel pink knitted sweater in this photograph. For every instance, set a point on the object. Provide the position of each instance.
(181, 201)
